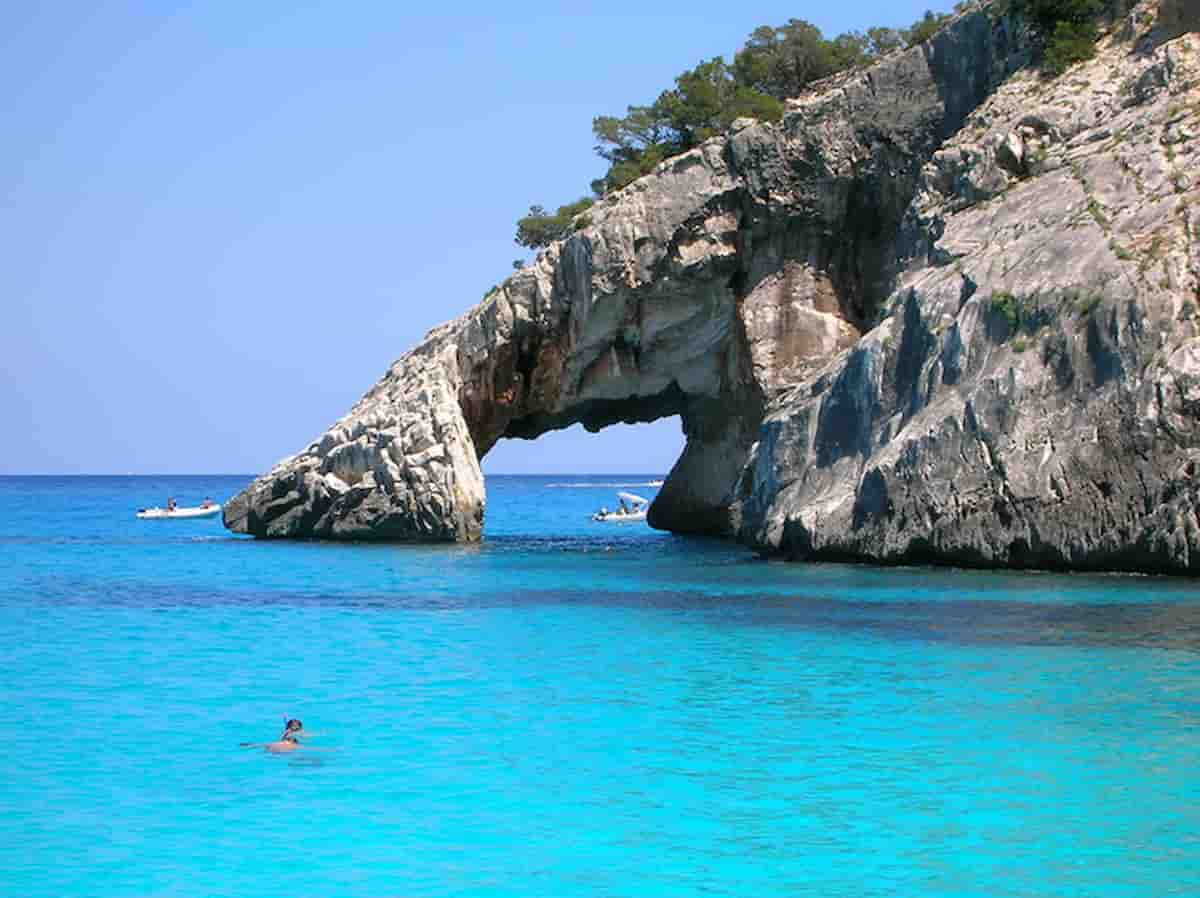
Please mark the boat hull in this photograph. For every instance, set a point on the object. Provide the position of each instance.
(179, 514)
(611, 518)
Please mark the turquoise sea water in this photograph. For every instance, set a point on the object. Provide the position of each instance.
(573, 709)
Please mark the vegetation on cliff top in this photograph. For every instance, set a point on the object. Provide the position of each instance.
(773, 64)
(541, 228)
(1069, 28)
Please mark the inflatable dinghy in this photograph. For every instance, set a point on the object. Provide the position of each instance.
(178, 514)
(632, 508)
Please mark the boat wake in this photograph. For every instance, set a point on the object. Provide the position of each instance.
(606, 485)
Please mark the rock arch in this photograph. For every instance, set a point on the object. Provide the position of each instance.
(660, 306)
(713, 288)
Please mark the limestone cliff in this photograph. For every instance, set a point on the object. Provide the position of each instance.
(1029, 396)
(944, 311)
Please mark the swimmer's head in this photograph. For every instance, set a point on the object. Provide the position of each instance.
(291, 729)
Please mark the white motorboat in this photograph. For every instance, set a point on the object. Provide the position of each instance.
(179, 513)
(631, 508)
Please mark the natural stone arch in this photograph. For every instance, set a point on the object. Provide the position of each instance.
(632, 319)
(677, 299)
(713, 288)
(729, 287)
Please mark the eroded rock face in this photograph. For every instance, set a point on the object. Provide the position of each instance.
(944, 311)
(1028, 398)
(630, 320)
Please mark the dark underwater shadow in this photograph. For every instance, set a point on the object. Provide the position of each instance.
(876, 603)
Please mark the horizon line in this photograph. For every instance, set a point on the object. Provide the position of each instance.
(242, 474)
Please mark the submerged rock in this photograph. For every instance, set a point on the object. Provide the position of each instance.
(944, 311)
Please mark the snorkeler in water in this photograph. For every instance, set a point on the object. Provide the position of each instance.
(289, 740)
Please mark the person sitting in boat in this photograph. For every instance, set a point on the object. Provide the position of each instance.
(207, 503)
(624, 509)
(171, 503)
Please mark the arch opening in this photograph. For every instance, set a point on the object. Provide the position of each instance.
(643, 448)
(554, 484)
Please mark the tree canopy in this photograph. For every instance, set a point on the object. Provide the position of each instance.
(773, 64)
(1069, 27)
(540, 228)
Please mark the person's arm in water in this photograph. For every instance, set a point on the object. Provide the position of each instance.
(280, 745)
(289, 739)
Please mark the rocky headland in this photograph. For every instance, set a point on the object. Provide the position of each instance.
(945, 311)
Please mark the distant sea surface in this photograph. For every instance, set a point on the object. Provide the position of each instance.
(573, 709)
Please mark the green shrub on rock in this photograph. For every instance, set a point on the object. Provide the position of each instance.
(773, 64)
(925, 28)
(1008, 307)
(1023, 316)
(1088, 302)
(539, 228)
(1071, 42)
(1069, 28)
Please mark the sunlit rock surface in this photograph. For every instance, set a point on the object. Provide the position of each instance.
(1029, 397)
(945, 311)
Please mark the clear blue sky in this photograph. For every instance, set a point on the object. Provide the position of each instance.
(221, 222)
